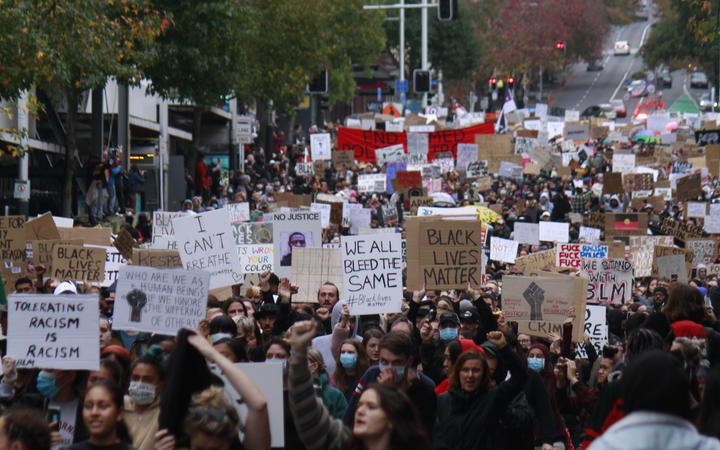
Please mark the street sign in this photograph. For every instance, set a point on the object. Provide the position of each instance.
(375, 107)
(243, 130)
(22, 190)
(401, 86)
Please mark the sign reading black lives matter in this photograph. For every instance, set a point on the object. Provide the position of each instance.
(54, 331)
(160, 301)
(372, 271)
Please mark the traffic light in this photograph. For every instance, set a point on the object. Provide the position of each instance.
(421, 81)
(447, 9)
(319, 84)
(560, 45)
(493, 82)
(511, 82)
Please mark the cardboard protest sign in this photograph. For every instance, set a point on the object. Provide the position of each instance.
(444, 254)
(477, 169)
(295, 229)
(163, 223)
(661, 251)
(160, 259)
(596, 327)
(536, 261)
(41, 228)
(343, 159)
(554, 231)
(205, 242)
(54, 331)
(572, 255)
(527, 233)
(293, 200)
(320, 147)
(416, 202)
(609, 280)
(372, 273)
(543, 300)
(125, 243)
(680, 229)
(595, 220)
(589, 234)
(642, 252)
(239, 212)
(12, 241)
(77, 263)
(576, 132)
(503, 250)
(313, 267)
(638, 182)
(389, 213)
(90, 236)
(40, 252)
(689, 187)
(673, 268)
(623, 162)
(704, 250)
(160, 301)
(622, 224)
(269, 379)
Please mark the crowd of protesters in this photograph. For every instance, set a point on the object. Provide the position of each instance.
(448, 372)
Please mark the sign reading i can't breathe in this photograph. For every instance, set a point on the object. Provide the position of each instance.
(54, 331)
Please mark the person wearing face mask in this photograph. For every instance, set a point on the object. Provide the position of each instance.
(538, 361)
(142, 404)
(61, 389)
(350, 365)
(431, 350)
(397, 367)
(222, 327)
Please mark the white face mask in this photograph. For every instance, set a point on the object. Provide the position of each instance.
(141, 393)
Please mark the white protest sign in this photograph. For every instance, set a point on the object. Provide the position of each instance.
(389, 154)
(163, 243)
(269, 379)
(320, 147)
(54, 331)
(359, 218)
(510, 170)
(290, 230)
(609, 280)
(160, 301)
(372, 273)
(466, 154)
(572, 255)
(162, 223)
(623, 163)
(595, 326)
(396, 127)
(324, 210)
(375, 182)
(554, 231)
(696, 209)
(572, 115)
(239, 212)
(589, 234)
(205, 242)
(113, 261)
(673, 267)
(527, 233)
(254, 245)
(418, 143)
(503, 250)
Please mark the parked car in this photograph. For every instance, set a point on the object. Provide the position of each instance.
(698, 80)
(637, 88)
(706, 103)
(619, 107)
(595, 66)
(621, 48)
(664, 77)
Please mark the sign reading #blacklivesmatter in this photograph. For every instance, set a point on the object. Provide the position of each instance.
(364, 142)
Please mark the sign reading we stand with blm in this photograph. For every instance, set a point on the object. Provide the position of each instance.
(364, 142)
(54, 331)
(372, 273)
(609, 280)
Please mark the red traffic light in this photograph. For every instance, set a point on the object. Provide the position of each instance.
(560, 45)
(511, 80)
(493, 80)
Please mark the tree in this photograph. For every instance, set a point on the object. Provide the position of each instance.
(67, 46)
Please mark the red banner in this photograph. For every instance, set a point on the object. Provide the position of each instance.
(363, 143)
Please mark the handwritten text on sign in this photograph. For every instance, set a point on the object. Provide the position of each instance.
(450, 254)
(571, 255)
(54, 332)
(609, 280)
(205, 242)
(372, 273)
(160, 300)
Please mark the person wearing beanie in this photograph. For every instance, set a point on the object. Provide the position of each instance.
(658, 409)
(659, 299)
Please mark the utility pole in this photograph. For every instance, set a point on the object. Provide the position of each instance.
(23, 118)
(424, 45)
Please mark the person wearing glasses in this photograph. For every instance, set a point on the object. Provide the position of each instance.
(295, 239)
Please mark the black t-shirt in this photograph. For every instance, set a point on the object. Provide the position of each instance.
(86, 445)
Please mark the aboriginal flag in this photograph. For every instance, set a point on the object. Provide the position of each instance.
(626, 222)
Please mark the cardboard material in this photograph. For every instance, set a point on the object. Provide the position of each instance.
(160, 259)
(12, 241)
(536, 261)
(41, 228)
(125, 243)
(311, 268)
(689, 187)
(661, 251)
(343, 159)
(626, 224)
(91, 236)
(681, 230)
(642, 252)
(76, 263)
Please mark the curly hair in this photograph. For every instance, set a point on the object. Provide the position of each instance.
(26, 426)
(210, 413)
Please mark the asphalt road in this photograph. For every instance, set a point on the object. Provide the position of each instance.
(582, 88)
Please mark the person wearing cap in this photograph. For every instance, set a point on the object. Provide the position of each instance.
(65, 287)
(266, 317)
(431, 350)
(469, 323)
(659, 298)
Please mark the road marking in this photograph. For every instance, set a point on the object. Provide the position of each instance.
(642, 40)
(685, 89)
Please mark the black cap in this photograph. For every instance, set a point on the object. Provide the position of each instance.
(266, 309)
(471, 316)
(449, 317)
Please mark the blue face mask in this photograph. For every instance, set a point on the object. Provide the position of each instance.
(536, 364)
(217, 336)
(348, 360)
(46, 384)
(448, 334)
